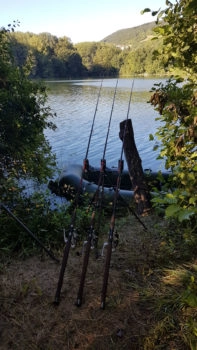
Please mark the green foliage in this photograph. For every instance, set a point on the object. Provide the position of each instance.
(178, 135)
(125, 52)
(24, 151)
(176, 309)
(171, 291)
(176, 102)
(46, 55)
(179, 35)
(49, 223)
(133, 37)
(25, 154)
(35, 212)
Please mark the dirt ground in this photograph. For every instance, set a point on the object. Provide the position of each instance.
(31, 321)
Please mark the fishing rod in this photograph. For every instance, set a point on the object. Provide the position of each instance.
(109, 244)
(91, 231)
(74, 214)
(93, 121)
(110, 118)
(29, 231)
(126, 204)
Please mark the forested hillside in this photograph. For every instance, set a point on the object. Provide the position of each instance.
(133, 37)
(126, 52)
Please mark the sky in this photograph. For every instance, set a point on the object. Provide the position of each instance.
(79, 20)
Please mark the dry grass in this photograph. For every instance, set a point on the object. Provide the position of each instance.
(30, 320)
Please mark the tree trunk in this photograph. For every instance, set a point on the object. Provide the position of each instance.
(141, 191)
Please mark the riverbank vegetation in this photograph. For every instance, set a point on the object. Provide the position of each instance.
(152, 295)
(50, 57)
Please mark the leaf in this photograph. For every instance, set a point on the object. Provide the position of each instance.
(157, 200)
(185, 214)
(185, 48)
(171, 198)
(160, 13)
(195, 168)
(145, 10)
(159, 30)
(194, 155)
(172, 209)
(154, 13)
(155, 147)
(192, 200)
(191, 300)
(151, 137)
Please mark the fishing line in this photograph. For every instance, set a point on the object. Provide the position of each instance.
(94, 117)
(112, 221)
(121, 156)
(94, 202)
(110, 118)
(73, 218)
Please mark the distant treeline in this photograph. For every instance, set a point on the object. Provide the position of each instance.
(46, 56)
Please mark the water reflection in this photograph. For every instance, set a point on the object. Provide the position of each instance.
(75, 103)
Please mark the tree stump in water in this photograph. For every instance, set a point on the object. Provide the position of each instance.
(141, 191)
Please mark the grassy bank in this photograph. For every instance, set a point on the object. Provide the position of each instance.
(151, 297)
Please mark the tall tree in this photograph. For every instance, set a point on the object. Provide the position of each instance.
(70, 62)
(87, 52)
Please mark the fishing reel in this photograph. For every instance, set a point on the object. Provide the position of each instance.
(115, 242)
(71, 234)
(93, 237)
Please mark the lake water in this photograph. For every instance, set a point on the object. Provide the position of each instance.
(75, 101)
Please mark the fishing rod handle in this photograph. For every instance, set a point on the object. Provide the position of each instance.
(83, 272)
(62, 270)
(106, 275)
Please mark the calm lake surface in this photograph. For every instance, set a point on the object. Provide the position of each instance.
(75, 101)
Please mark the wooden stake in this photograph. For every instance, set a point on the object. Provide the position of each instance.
(134, 163)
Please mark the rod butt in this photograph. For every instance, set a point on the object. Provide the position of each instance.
(79, 302)
(103, 305)
(56, 300)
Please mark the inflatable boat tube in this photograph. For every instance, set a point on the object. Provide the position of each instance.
(71, 181)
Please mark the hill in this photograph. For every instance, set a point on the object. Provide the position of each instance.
(132, 37)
